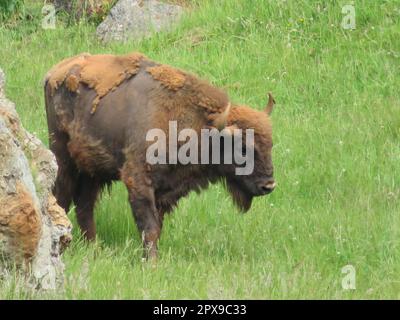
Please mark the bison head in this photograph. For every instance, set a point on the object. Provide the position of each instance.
(260, 181)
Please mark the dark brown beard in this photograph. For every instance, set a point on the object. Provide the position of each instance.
(240, 197)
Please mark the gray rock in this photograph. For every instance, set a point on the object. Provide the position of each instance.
(134, 19)
(34, 230)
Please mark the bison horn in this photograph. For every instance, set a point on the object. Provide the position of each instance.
(270, 105)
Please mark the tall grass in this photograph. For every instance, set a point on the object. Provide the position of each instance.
(9, 8)
(336, 156)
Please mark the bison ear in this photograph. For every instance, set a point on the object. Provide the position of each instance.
(270, 105)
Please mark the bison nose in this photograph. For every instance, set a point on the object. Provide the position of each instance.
(268, 187)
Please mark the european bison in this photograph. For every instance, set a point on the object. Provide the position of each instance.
(100, 109)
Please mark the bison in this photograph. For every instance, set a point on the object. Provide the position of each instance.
(99, 110)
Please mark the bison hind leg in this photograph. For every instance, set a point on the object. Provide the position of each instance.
(67, 174)
(64, 186)
(85, 197)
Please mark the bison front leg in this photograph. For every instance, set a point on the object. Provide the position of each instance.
(141, 198)
(146, 221)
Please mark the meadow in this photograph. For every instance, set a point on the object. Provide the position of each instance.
(336, 155)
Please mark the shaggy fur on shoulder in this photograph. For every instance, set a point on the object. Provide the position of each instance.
(103, 73)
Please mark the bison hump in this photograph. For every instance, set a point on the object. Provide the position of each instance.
(103, 73)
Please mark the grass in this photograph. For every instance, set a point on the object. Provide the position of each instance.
(336, 156)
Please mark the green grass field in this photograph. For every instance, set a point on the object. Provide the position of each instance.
(336, 156)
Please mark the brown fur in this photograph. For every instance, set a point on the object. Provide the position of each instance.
(94, 149)
(171, 78)
(89, 154)
(245, 117)
(56, 75)
(240, 198)
(72, 83)
(193, 104)
(103, 73)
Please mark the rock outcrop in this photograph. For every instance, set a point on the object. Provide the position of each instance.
(34, 230)
(134, 19)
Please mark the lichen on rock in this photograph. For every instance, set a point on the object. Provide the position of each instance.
(34, 230)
